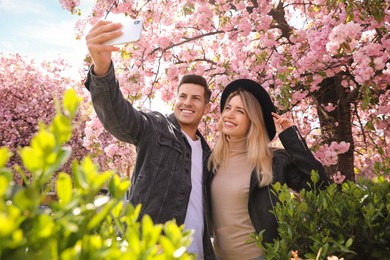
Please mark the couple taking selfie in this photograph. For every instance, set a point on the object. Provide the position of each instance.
(222, 193)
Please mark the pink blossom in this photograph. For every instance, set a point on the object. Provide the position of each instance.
(27, 94)
(338, 178)
(330, 158)
(172, 72)
(343, 34)
(204, 17)
(163, 42)
(224, 42)
(69, 4)
(111, 150)
(297, 96)
(245, 27)
(200, 69)
(329, 107)
(341, 147)
(328, 154)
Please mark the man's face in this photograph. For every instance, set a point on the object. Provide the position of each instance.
(190, 105)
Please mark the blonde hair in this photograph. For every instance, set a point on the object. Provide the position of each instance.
(257, 141)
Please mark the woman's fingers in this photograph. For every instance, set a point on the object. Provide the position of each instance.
(281, 122)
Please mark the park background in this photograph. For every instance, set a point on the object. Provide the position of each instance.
(325, 63)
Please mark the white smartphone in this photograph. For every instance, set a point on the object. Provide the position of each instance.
(131, 29)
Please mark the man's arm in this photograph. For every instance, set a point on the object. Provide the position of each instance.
(116, 114)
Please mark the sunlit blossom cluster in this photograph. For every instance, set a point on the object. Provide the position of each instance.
(27, 98)
(347, 34)
(311, 44)
(328, 154)
(69, 5)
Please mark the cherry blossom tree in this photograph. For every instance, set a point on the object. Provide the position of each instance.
(105, 150)
(325, 63)
(28, 91)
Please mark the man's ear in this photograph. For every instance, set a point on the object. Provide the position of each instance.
(207, 108)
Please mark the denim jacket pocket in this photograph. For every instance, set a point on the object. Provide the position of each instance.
(163, 156)
(164, 176)
(167, 150)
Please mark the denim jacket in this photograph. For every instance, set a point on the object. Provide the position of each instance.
(161, 179)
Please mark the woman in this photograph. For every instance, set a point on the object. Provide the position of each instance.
(244, 167)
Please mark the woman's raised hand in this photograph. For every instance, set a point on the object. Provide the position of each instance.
(281, 123)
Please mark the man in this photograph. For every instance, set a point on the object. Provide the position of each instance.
(171, 153)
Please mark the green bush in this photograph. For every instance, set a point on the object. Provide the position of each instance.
(351, 220)
(81, 223)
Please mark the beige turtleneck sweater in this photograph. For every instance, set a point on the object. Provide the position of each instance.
(229, 197)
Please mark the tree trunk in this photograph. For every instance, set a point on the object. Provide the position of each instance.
(336, 125)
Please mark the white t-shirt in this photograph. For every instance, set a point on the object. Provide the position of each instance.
(194, 217)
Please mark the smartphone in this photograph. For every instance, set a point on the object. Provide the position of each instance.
(131, 29)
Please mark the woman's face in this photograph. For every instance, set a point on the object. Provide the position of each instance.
(235, 120)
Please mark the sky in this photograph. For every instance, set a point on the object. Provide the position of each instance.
(41, 30)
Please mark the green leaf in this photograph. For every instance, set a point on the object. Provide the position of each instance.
(43, 227)
(315, 176)
(369, 126)
(27, 199)
(167, 245)
(98, 218)
(32, 160)
(5, 154)
(64, 188)
(303, 206)
(4, 184)
(44, 142)
(117, 187)
(282, 197)
(7, 225)
(59, 159)
(349, 243)
(84, 174)
(61, 126)
(277, 186)
(117, 210)
(101, 179)
(79, 176)
(150, 232)
(71, 102)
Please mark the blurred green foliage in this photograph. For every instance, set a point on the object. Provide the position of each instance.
(349, 220)
(81, 223)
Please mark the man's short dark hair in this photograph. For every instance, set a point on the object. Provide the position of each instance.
(198, 80)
